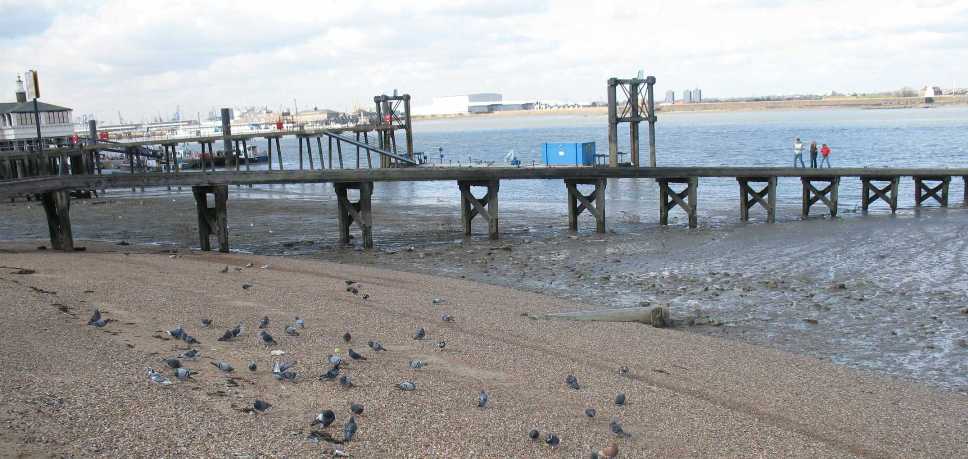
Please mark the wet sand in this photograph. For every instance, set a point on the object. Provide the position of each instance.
(71, 389)
(880, 292)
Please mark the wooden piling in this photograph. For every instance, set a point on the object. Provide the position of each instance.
(486, 206)
(300, 152)
(269, 152)
(749, 197)
(871, 192)
(827, 195)
(57, 206)
(358, 212)
(612, 122)
(212, 220)
(923, 191)
(279, 153)
(593, 202)
(685, 199)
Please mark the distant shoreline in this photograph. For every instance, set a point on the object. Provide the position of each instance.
(829, 102)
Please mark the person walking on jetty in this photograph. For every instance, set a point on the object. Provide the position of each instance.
(798, 153)
(813, 154)
(825, 152)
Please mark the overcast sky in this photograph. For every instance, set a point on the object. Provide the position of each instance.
(145, 57)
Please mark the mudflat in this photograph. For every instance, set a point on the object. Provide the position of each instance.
(75, 389)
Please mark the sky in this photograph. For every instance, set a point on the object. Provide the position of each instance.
(144, 58)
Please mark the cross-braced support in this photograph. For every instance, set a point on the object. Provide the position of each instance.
(393, 113)
(887, 192)
(923, 191)
(828, 194)
(637, 104)
(686, 199)
(593, 202)
(749, 197)
(212, 220)
(358, 212)
(486, 206)
(57, 205)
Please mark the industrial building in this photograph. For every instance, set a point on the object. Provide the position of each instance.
(472, 103)
(18, 129)
(670, 97)
(686, 96)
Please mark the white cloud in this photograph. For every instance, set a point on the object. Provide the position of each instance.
(145, 57)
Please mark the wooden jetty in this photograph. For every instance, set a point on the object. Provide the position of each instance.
(678, 187)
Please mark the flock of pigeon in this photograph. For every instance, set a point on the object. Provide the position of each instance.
(284, 371)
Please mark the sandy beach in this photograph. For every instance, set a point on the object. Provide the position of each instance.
(73, 389)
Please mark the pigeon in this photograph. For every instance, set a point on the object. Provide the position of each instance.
(482, 399)
(189, 339)
(237, 330)
(354, 355)
(440, 344)
(156, 377)
(437, 301)
(590, 412)
(407, 386)
(96, 319)
(421, 333)
(225, 269)
(291, 330)
(335, 360)
(416, 364)
(552, 440)
(282, 371)
(246, 286)
(353, 290)
(183, 374)
(366, 296)
(349, 429)
(266, 338)
(350, 282)
(300, 323)
(620, 399)
(356, 408)
(226, 336)
(223, 365)
(177, 332)
(324, 418)
(376, 346)
(624, 371)
(206, 323)
(264, 323)
(261, 405)
(330, 375)
(616, 428)
(172, 363)
(347, 337)
(446, 318)
(345, 382)
(191, 355)
(534, 434)
(249, 265)
(572, 382)
(253, 366)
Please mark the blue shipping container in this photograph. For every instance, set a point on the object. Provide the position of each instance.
(568, 154)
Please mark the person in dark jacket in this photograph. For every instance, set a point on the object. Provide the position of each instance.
(813, 154)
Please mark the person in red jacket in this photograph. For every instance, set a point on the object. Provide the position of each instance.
(825, 152)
